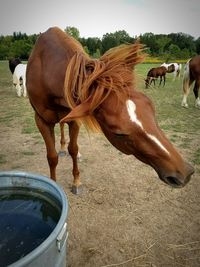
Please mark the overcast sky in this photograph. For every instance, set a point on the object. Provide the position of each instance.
(93, 18)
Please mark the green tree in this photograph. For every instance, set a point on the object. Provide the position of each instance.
(185, 54)
(5, 44)
(183, 40)
(149, 39)
(73, 31)
(21, 49)
(197, 44)
(97, 54)
(162, 43)
(110, 40)
(174, 51)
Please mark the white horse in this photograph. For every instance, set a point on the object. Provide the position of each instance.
(19, 79)
(177, 69)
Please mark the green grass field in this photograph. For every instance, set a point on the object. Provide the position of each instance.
(181, 125)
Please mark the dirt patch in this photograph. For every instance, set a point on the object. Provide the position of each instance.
(125, 216)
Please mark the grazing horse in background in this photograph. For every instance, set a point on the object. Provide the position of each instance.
(18, 71)
(173, 67)
(153, 74)
(65, 85)
(191, 74)
(19, 79)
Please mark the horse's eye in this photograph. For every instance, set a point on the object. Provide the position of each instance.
(120, 135)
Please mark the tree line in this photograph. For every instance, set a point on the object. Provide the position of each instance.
(164, 46)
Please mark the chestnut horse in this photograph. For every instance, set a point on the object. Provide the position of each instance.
(154, 74)
(191, 74)
(65, 85)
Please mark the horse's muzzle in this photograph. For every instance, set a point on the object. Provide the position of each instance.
(178, 181)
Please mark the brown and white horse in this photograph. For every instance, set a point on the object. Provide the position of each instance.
(18, 70)
(64, 84)
(191, 74)
(173, 68)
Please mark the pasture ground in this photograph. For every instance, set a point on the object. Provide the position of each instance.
(125, 216)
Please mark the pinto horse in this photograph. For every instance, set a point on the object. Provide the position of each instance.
(154, 73)
(173, 67)
(65, 85)
(18, 71)
(19, 79)
(191, 74)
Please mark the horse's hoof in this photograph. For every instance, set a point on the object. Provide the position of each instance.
(77, 189)
(184, 105)
(62, 153)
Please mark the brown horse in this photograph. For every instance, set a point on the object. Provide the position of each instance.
(191, 74)
(154, 73)
(65, 85)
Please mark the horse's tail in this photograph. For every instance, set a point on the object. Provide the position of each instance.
(186, 78)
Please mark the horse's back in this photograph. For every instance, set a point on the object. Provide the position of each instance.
(49, 58)
(54, 46)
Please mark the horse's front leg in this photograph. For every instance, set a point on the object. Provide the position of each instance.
(154, 81)
(160, 80)
(47, 131)
(73, 151)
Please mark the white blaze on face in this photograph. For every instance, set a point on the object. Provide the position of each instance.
(131, 107)
(153, 138)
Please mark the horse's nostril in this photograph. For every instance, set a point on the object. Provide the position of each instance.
(173, 181)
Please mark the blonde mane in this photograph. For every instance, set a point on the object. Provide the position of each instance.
(92, 80)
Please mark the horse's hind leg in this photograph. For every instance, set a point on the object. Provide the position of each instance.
(62, 151)
(73, 151)
(196, 93)
(47, 131)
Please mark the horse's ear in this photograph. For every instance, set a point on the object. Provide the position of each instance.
(78, 112)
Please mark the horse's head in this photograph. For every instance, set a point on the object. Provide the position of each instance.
(127, 117)
(147, 81)
(171, 68)
(130, 125)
